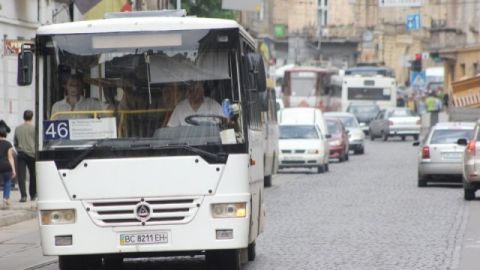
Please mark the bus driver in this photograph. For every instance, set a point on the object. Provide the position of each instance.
(195, 103)
(75, 101)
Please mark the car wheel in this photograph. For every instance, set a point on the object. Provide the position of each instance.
(326, 167)
(347, 156)
(469, 194)
(422, 181)
(321, 169)
(267, 181)
(385, 136)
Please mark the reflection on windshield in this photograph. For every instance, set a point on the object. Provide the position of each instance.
(170, 89)
(298, 132)
(450, 136)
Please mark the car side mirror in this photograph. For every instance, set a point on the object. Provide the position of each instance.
(462, 141)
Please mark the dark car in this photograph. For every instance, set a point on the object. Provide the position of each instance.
(339, 141)
(364, 112)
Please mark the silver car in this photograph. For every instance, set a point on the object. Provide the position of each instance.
(400, 122)
(471, 164)
(356, 137)
(440, 156)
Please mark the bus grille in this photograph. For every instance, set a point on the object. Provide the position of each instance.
(125, 212)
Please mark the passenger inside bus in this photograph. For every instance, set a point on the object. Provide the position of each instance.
(195, 103)
(75, 101)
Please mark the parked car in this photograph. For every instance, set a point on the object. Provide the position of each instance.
(440, 158)
(356, 137)
(400, 122)
(365, 112)
(471, 161)
(339, 140)
(303, 139)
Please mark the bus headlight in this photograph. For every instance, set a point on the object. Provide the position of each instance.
(229, 210)
(61, 216)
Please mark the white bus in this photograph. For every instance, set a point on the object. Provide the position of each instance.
(356, 88)
(118, 183)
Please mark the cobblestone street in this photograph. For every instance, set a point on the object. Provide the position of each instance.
(366, 213)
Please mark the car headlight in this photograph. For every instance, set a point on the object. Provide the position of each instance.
(335, 142)
(60, 216)
(312, 151)
(229, 210)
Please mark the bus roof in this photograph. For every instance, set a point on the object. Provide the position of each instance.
(135, 24)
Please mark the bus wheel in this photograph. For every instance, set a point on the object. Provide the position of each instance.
(79, 262)
(252, 253)
(267, 181)
(223, 259)
(113, 262)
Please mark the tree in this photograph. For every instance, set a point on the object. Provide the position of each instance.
(206, 8)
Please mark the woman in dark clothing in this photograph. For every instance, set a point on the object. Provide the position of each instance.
(7, 165)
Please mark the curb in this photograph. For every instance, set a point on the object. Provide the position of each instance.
(10, 217)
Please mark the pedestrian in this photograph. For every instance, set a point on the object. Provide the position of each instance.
(434, 106)
(4, 125)
(24, 141)
(7, 165)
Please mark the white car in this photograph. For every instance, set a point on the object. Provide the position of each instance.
(400, 122)
(356, 136)
(440, 157)
(303, 146)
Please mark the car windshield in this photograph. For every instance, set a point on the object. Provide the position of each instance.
(298, 132)
(348, 121)
(167, 91)
(333, 127)
(363, 109)
(450, 136)
(401, 113)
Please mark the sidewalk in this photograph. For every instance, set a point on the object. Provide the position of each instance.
(17, 212)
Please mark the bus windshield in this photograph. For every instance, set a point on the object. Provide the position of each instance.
(157, 88)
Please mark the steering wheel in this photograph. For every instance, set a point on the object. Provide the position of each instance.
(208, 120)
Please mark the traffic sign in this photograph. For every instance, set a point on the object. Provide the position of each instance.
(413, 22)
(418, 79)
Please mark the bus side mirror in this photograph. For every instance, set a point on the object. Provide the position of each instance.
(256, 71)
(462, 141)
(25, 65)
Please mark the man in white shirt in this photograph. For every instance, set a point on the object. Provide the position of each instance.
(195, 104)
(75, 101)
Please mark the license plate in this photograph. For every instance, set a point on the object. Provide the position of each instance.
(452, 156)
(145, 238)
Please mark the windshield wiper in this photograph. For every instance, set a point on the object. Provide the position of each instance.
(203, 153)
(97, 145)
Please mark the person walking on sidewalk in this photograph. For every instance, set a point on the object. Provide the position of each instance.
(24, 141)
(7, 165)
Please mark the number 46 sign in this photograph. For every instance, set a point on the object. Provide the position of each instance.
(56, 130)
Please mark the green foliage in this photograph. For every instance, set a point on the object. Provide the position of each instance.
(206, 8)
